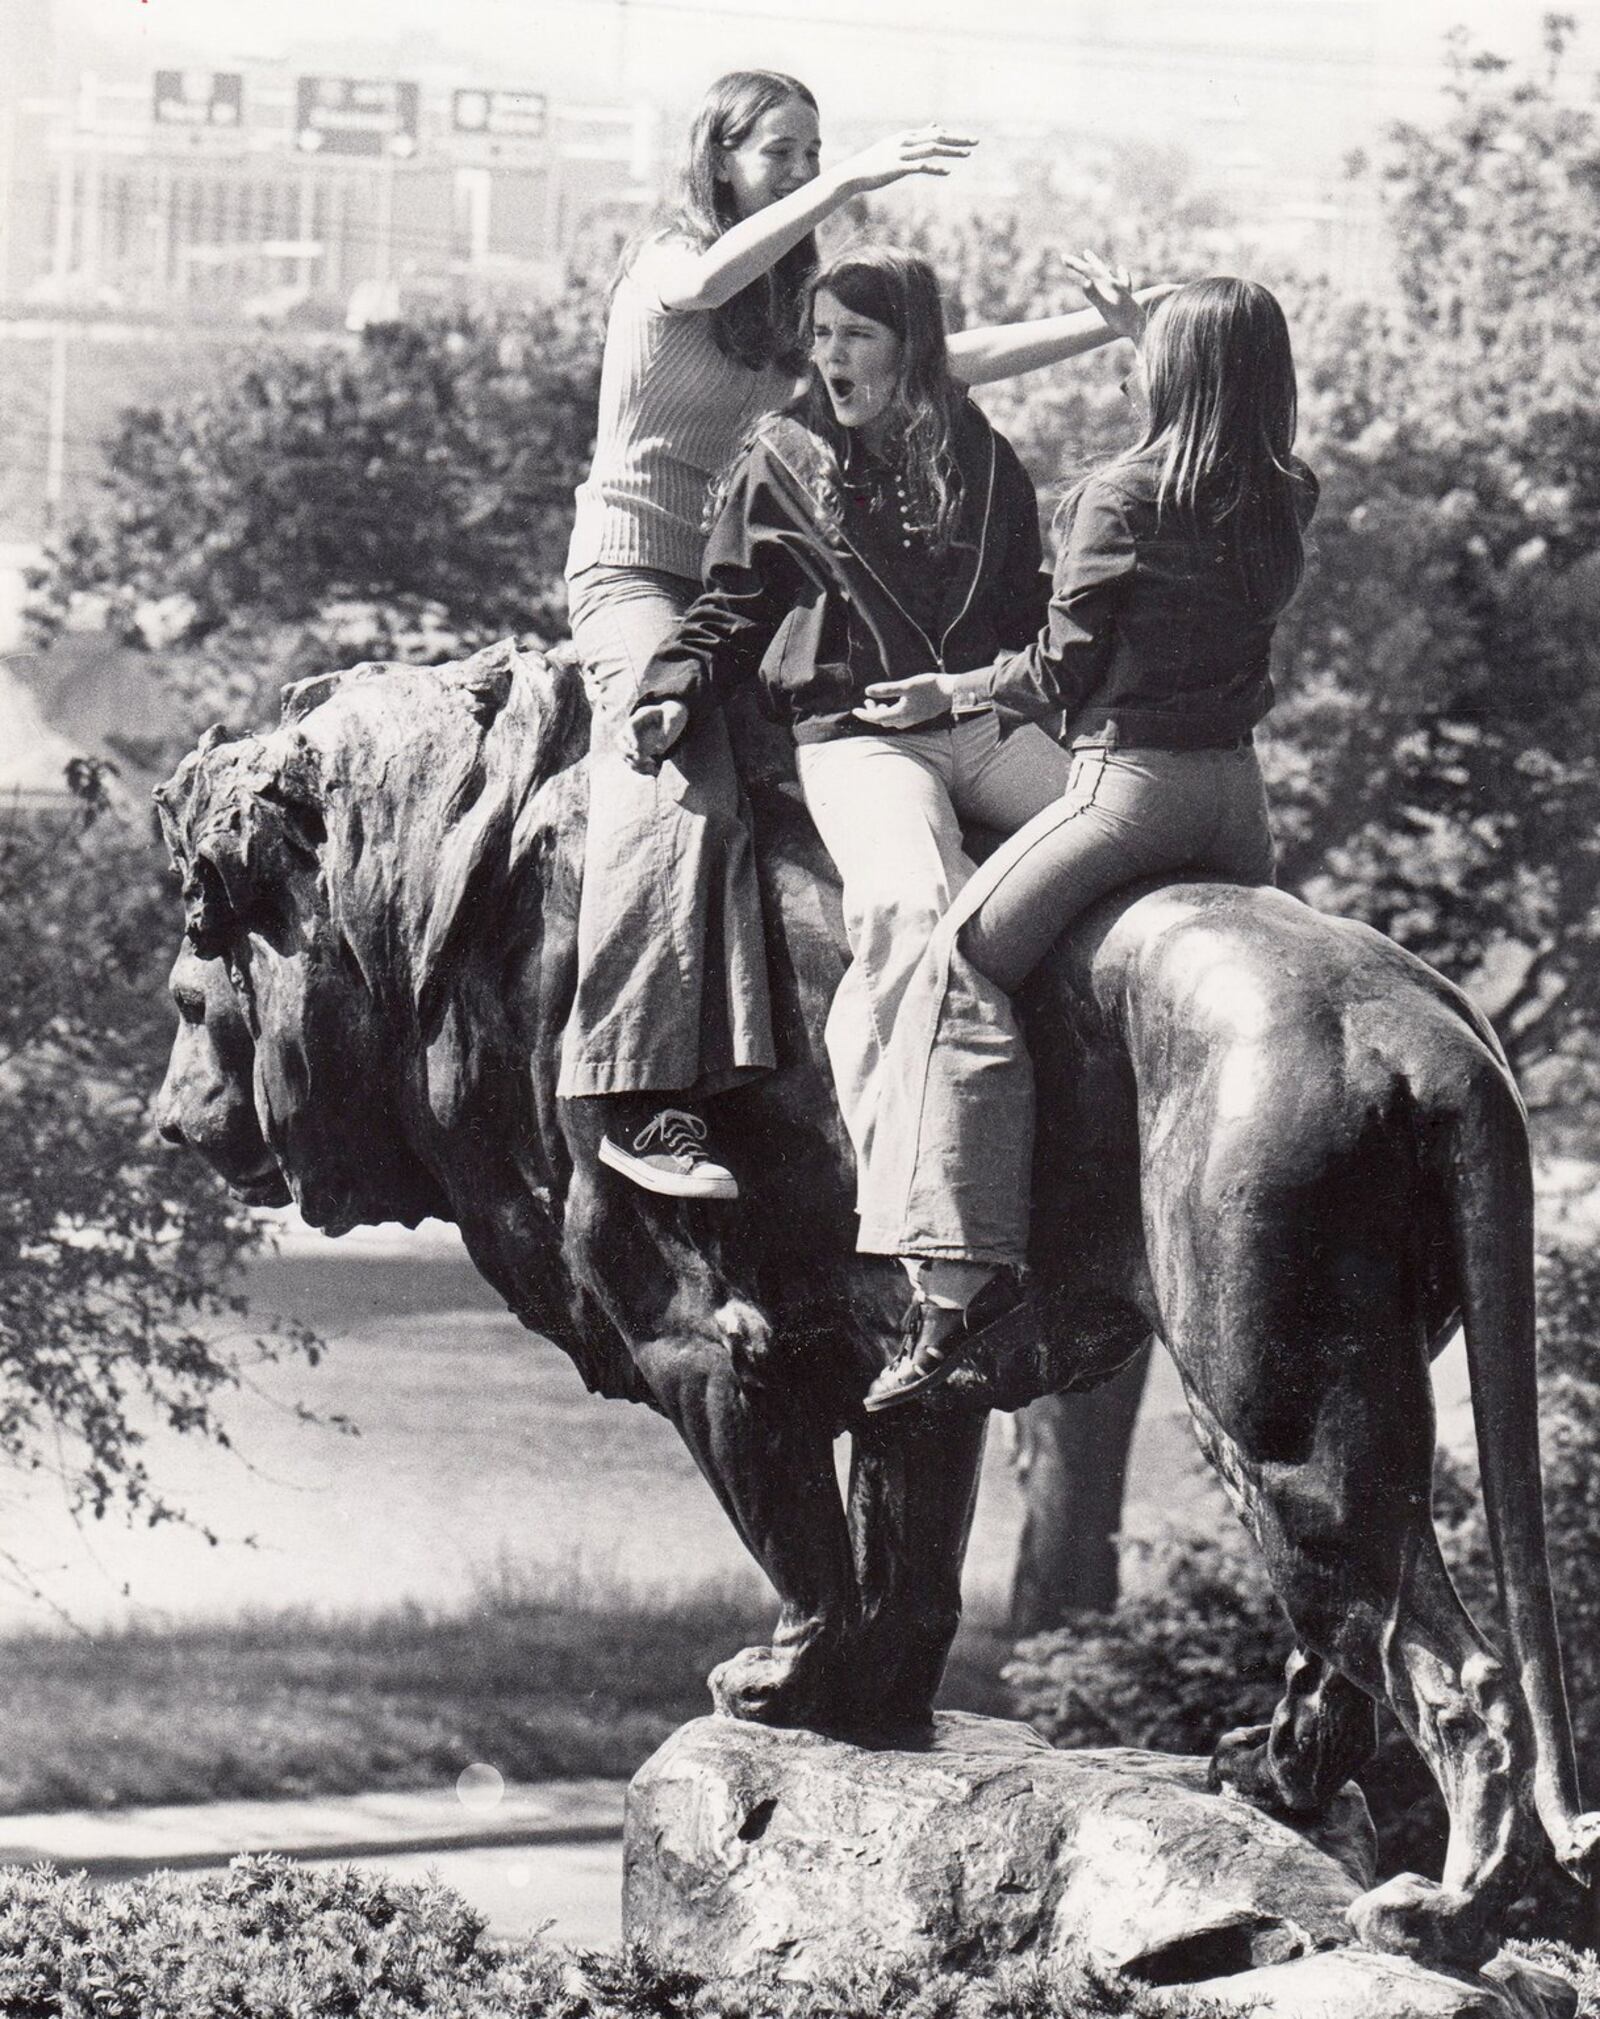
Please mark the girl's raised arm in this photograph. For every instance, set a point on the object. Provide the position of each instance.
(687, 279)
(1004, 350)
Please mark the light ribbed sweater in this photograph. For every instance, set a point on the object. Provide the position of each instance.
(673, 409)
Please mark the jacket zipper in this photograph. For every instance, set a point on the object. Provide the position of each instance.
(977, 573)
(935, 652)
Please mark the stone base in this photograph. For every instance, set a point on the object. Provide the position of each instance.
(791, 1854)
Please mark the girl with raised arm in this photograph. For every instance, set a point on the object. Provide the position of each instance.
(1176, 561)
(704, 336)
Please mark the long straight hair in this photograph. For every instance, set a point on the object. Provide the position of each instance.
(901, 291)
(1219, 372)
(763, 324)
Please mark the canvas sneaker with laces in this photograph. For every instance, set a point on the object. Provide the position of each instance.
(668, 1155)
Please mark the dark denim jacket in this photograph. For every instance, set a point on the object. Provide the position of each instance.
(1150, 640)
(815, 616)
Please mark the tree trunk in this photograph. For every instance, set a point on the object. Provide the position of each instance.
(1072, 1458)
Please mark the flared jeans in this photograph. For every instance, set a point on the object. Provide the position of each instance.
(950, 1172)
(672, 962)
(890, 809)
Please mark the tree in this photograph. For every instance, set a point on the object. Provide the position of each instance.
(1441, 703)
(116, 1258)
(406, 495)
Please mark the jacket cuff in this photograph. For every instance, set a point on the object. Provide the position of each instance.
(972, 693)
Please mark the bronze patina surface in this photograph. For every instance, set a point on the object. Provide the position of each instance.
(1269, 1137)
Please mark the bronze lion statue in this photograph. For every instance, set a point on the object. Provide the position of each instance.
(1268, 1137)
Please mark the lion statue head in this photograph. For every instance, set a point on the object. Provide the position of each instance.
(361, 886)
(380, 912)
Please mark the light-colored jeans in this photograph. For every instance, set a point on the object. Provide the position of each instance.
(672, 963)
(890, 810)
(951, 1170)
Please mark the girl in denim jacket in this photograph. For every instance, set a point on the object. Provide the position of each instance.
(1176, 562)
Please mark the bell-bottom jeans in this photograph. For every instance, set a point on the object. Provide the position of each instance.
(890, 809)
(672, 961)
(949, 1176)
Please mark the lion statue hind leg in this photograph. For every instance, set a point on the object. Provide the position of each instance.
(1354, 1559)
(1322, 1734)
(1307, 1374)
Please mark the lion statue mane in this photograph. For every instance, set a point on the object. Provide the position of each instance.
(1269, 1138)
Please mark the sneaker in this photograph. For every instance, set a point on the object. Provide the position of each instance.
(936, 1338)
(668, 1156)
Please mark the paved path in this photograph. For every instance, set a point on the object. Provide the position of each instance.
(523, 1855)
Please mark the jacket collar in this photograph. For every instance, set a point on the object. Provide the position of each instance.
(807, 461)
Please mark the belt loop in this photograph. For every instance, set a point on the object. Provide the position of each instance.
(1111, 739)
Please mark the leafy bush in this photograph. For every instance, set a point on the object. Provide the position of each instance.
(115, 1256)
(1200, 1648)
(405, 496)
(273, 1940)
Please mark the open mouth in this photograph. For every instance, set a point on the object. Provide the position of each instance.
(840, 388)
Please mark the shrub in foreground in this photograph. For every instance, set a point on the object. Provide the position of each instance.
(273, 1940)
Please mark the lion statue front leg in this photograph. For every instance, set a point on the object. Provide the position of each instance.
(913, 1488)
(757, 1417)
(768, 1457)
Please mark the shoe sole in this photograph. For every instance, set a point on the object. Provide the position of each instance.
(912, 1389)
(994, 1333)
(659, 1182)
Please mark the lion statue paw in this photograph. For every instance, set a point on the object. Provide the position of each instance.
(790, 1686)
(1416, 1917)
(1579, 1852)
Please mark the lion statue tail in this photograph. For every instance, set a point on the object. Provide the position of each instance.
(1489, 1201)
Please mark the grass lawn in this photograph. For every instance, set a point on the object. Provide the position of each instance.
(283, 1705)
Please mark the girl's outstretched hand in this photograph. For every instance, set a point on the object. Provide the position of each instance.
(922, 150)
(649, 733)
(905, 704)
(1110, 290)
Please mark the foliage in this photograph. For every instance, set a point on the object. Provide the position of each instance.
(405, 495)
(268, 1939)
(1200, 1647)
(265, 1938)
(111, 1249)
(1436, 765)
(1496, 209)
(1433, 762)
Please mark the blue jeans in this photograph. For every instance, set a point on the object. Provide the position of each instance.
(951, 1170)
(672, 960)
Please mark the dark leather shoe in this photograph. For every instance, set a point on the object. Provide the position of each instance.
(935, 1340)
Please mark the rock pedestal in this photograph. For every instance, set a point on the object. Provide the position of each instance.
(796, 1855)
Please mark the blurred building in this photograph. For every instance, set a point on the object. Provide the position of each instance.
(27, 75)
(272, 187)
(269, 195)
